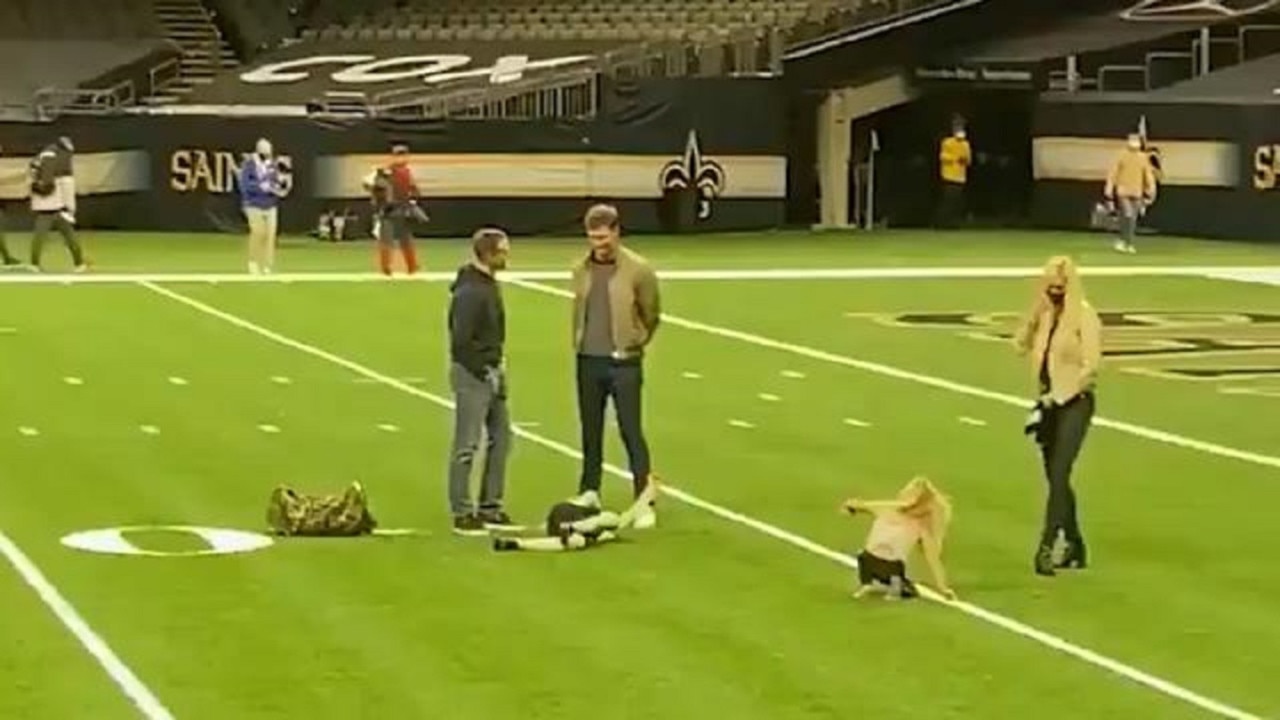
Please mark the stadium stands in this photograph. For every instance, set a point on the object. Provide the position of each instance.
(93, 55)
(208, 40)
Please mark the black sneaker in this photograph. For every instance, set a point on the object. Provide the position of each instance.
(498, 520)
(468, 525)
(503, 544)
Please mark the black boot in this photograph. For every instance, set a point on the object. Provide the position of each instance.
(1075, 556)
(1044, 561)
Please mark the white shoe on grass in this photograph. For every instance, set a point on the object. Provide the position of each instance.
(646, 519)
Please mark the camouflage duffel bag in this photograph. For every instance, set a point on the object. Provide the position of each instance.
(345, 515)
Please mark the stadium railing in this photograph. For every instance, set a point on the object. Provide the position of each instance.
(570, 91)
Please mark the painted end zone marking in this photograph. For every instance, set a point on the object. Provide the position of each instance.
(936, 382)
(1089, 656)
(863, 273)
(146, 701)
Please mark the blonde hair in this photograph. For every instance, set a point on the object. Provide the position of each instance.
(924, 501)
(1063, 268)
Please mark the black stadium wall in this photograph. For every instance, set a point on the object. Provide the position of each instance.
(1220, 163)
(674, 155)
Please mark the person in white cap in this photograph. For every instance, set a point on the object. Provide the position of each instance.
(260, 192)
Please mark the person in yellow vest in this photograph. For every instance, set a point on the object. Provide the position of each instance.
(1131, 185)
(954, 158)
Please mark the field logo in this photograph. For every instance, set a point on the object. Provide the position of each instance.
(1193, 345)
(695, 170)
(218, 541)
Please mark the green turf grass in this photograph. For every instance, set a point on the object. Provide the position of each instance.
(696, 617)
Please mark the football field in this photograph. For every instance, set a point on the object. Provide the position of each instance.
(159, 400)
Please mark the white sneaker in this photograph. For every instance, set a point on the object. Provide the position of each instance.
(588, 499)
(646, 519)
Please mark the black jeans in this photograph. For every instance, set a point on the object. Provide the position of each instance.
(1061, 437)
(600, 378)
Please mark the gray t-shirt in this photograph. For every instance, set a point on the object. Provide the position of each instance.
(597, 335)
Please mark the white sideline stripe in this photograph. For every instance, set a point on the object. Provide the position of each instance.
(937, 382)
(120, 674)
(1089, 656)
(1236, 272)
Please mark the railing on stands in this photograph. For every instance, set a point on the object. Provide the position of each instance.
(163, 74)
(569, 91)
(51, 103)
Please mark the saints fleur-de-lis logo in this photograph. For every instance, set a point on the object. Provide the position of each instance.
(1195, 10)
(697, 171)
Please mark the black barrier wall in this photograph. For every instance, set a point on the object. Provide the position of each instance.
(675, 155)
(1219, 162)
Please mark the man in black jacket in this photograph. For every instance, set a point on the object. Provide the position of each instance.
(477, 375)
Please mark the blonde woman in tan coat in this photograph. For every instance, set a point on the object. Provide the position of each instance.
(1061, 337)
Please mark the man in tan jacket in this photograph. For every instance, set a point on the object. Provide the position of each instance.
(616, 310)
(1131, 184)
(1062, 338)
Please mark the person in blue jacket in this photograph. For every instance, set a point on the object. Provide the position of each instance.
(260, 192)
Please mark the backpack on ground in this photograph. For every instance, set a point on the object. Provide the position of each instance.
(297, 514)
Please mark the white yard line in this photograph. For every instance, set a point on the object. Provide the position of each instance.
(146, 701)
(1259, 273)
(936, 382)
(1131, 673)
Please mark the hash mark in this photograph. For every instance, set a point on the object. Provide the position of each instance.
(769, 397)
(794, 375)
(691, 375)
(281, 380)
(741, 424)
(149, 429)
(28, 431)
(856, 423)
(70, 380)
(972, 421)
(388, 427)
(268, 428)
(175, 380)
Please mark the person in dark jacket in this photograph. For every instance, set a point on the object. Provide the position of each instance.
(477, 375)
(53, 201)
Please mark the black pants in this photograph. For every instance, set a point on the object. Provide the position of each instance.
(600, 378)
(951, 211)
(1061, 436)
(46, 221)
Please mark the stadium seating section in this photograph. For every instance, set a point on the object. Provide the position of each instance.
(78, 19)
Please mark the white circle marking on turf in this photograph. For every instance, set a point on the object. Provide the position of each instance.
(221, 541)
